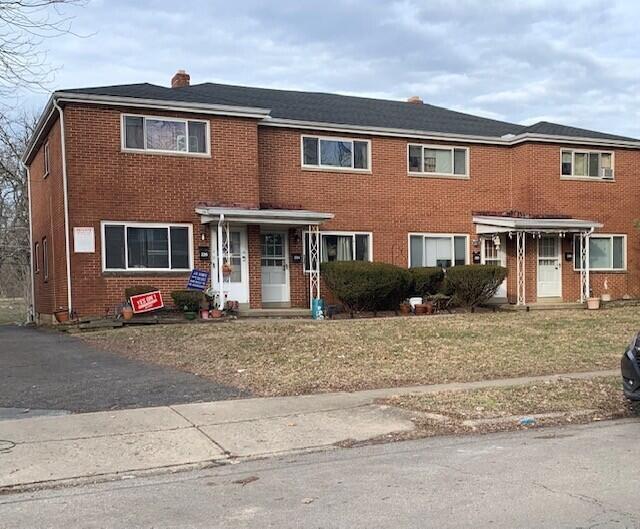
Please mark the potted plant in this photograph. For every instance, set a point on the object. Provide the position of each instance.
(204, 308)
(189, 313)
(405, 308)
(606, 296)
(593, 303)
(216, 313)
(127, 311)
(62, 315)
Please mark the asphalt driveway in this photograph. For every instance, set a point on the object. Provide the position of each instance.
(45, 372)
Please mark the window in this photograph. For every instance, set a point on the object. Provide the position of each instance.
(45, 259)
(140, 246)
(165, 135)
(46, 160)
(606, 252)
(438, 161)
(437, 250)
(587, 164)
(36, 258)
(340, 246)
(335, 153)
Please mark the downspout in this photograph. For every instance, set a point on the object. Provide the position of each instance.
(66, 205)
(32, 307)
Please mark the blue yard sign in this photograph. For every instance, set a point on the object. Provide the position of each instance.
(198, 280)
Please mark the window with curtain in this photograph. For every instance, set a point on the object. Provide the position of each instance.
(606, 252)
(318, 151)
(341, 247)
(436, 160)
(437, 250)
(165, 134)
(138, 246)
(587, 164)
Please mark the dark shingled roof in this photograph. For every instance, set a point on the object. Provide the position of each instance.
(341, 109)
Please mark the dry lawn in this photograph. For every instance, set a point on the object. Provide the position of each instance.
(290, 357)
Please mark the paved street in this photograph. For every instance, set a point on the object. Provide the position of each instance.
(47, 372)
(578, 477)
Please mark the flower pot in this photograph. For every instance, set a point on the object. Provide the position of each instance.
(204, 314)
(190, 315)
(428, 307)
(216, 313)
(127, 313)
(421, 308)
(405, 309)
(605, 297)
(61, 315)
(593, 303)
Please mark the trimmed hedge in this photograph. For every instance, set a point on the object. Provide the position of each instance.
(188, 300)
(472, 285)
(427, 280)
(136, 290)
(366, 286)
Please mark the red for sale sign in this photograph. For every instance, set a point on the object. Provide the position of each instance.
(146, 302)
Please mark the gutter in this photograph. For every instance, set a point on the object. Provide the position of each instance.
(66, 206)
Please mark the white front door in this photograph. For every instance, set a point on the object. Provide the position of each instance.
(549, 267)
(236, 284)
(275, 267)
(495, 254)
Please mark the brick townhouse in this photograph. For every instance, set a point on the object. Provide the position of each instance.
(140, 184)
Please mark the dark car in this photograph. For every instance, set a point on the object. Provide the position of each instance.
(630, 367)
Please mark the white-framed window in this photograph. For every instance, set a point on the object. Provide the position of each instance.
(438, 160)
(134, 246)
(606, 252)
(587, 164)
(341, 246)
(327, 152)
(438, 249)
(36, 258)
(165, 135)
(45, 259)
(46, 160)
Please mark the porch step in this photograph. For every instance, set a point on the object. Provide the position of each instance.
(275, 313)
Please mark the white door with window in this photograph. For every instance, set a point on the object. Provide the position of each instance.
(549, 267)
(236, 283)
(275, 268)
(493, 252)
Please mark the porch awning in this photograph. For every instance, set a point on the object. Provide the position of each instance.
(495, 224)
(263, 216)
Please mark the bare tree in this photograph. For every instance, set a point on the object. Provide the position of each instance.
(24, 26)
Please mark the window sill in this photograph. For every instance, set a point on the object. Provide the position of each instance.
(166, 153)
(439, 176)
(588, 179)
(600, 271)
(335, 170)
(143, 272)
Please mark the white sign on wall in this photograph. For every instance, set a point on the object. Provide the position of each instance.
(84, 240)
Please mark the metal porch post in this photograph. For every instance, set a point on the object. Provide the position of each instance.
(314, 263)
(220, 263)
(520, 251)
(584, 265)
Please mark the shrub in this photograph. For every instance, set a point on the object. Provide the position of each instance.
(187, 300)
(427, 280)
(362, 285)
(135, 290)
(472, 285)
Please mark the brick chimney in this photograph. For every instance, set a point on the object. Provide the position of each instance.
(180, 79)
(416, 100)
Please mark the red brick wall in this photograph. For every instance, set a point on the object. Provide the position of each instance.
(250, 165)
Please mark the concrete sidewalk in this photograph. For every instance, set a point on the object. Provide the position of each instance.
(101, 445)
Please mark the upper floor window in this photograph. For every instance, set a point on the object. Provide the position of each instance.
(438, 249)
(435, 160)
(145, 246)
(341, 246)
(336, 153)
(587, 164)
(606, 252)
(158, 134)
(46, 160)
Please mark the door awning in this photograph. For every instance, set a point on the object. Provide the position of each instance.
(291, 217)
(497, 224)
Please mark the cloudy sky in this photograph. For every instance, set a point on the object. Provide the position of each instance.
(575, 62)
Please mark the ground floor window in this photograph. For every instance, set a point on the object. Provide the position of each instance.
(149, 246)
(606, 252)
(341, 246)
(442, 250)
